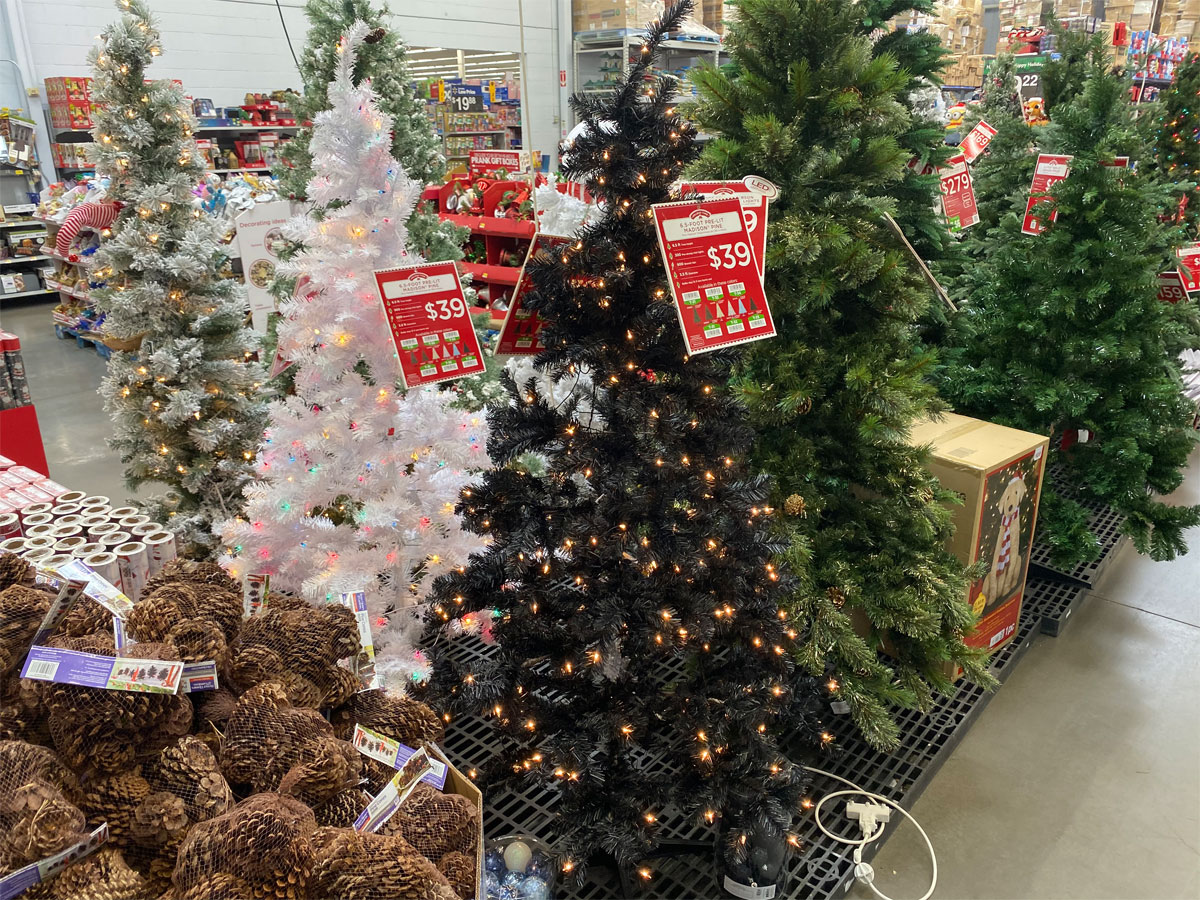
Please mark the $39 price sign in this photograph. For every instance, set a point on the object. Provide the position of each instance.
(430, 323)
(714, 274)
(958, 194)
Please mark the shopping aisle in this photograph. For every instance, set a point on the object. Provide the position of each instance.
(63, 379)
(1078, 780)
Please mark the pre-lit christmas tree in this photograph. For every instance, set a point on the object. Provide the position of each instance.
(1061, 333)
(184, 405)
(806, 104)
(641, 656)
(382, 61)
(358, 481)
(1177, 142)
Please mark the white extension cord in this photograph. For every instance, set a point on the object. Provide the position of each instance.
(870, 818)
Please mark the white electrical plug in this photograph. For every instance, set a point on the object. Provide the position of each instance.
(870, 816)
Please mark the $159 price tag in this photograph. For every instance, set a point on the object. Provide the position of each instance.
(430, 322)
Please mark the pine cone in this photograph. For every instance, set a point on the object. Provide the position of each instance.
(87, 617)
(436, 823)
(459, 870)
(199, 640)
(221, 606)
(794, 505)
(328, 767)
(215, 707)
(348, 864)
(836, 596)
(113, 799)
(341, 686)
(189, 770)
(219, 886)
(14, 570)
(41, 821)
(256, 664)
(374, 36)
(266, 736)
(152, 618)
(301, 691)
(394, 715)
(342, 809)
(159, 820)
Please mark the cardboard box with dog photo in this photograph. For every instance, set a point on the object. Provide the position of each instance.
(998, 472)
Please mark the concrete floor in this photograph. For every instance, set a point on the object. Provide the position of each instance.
(1081, 779)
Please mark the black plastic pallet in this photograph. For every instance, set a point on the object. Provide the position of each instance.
(1055, 601)
(823, 868)
(1103, 521)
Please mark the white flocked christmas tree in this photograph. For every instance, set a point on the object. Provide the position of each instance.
(359, 479)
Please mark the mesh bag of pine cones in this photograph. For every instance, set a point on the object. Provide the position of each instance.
(247, 791)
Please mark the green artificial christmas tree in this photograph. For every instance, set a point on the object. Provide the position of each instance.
(184, 405)
(807, 104)
(641, 659)
(1177, 143)
(1061, 333)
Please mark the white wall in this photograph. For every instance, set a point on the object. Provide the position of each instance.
(221, 49)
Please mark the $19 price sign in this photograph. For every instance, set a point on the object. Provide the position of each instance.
(430, 323)
(958, 194)
(714, 274)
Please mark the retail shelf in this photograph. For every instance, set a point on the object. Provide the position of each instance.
(17, 223)
(26, 294)
(453, 133)
(13, 260)
(76, 168)
(265, 171)
(492, 274)
(520, 228)
(206, 128)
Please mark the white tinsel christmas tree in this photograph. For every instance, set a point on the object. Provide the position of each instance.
(359, 481)
(184, 402)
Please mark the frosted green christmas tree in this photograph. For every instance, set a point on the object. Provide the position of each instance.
(184, 405)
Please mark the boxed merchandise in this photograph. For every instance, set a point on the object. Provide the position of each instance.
(998, 473)
(605, 15)
(25, 241)
(14, 283)
(70, 102)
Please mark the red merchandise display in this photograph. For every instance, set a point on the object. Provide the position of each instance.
(1050, 170)
(713, 273)
(21, 438)
(519, 333)
(430, 323)
(958, 194)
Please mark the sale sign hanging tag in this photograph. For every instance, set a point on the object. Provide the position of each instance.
(1049, 171)
(519, 335)
(713, 273)
(431, 325)
(958, 194)
(1189, 266)
(977, 140)
(754, 210)
(1170, 287)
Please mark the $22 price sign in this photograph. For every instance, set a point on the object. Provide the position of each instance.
(958, 194)
(430, 323)
(713, 273)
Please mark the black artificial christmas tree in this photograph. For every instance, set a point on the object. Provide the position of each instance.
(808, 105)
(642, 659)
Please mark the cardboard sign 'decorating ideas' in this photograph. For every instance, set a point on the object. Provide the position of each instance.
(519, 333)
(977, 140)
(1189, 266)
(958, 194)
(430, 322)
(1050, 170)
(713, 273)
(259, 234)
(754, 209)
(1170, 287)
(483, 163)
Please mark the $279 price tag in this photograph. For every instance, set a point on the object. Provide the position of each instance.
(430, 322)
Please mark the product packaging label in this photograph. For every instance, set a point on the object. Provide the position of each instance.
(958, 194)
(21, 880)
(395, 754)
(1050, 170)
(152, 676)
(713, 273)
(69, 592)
(364, 664)
(254, 593)
(977, 141)
(519, 335)
(485, 163)
(199, 676)
(98, 588)
(384, 805)
(1189, 266)
(754, 208)
(430, 322)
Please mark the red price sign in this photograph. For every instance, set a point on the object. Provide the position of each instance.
(921, 168)
(714, 275)
(958, 194)
(1189, 266)
(430, 322)
(519, 333)
(1050, 170)
(754, 210)
(977, 140)
(1170, 287)
(483, 163)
